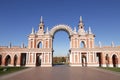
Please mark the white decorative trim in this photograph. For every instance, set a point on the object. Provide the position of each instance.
(93, 65)
(110, 65)
(48, 65)
(59, 27)
(75, 65)
(103, 65)
(17, 65)
(119, 65)
(30, 65)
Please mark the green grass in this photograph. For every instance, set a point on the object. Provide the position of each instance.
(111, 69)
(7, 70)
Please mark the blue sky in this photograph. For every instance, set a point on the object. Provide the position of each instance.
(17, 17)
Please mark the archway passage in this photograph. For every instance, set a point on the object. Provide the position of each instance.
(99, 58)
(114, 60)
(23, 59)
(84, 60)
(15, 60)
(7, 60)
(60, 45)
(38, 59)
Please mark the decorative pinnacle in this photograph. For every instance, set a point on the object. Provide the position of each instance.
(47, 31)
(41, 19)
(80, 18)
(33, 31)
(90, 32)
(75, 29)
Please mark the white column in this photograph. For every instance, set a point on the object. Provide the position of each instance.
(87, 57)
(29, 58)
(34, 58)
(80, 57)
(74, 57)
(44, 57)
(70, 58)
(93, 57)
(26, 58)
(50, 57)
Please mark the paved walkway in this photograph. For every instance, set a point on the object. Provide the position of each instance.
(62, 72)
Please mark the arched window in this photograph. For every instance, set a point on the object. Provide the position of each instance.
(7, 60)
(0, 59)
(39, 45)
(82, 44)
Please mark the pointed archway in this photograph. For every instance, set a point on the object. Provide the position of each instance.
(84, 60)
(7, 60)
(23, 59)
(114, 60)
(38, 59)
(61, 29)
(15, 60)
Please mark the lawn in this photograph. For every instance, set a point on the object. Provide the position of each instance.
(7, 70)
(111, 69)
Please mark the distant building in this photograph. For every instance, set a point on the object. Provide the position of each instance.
(39, 51)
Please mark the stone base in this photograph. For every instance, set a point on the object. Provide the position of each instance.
(46, 65)
(75, 65)
(103, 65)
(30, 65)
(93, 65)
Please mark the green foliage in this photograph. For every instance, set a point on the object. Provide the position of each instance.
(59, 60)
(6, 70)
(112, 69)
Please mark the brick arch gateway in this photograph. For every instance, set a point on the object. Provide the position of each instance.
(39, 51)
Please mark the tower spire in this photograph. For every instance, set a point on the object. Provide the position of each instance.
(80, 18)
(41, 25)
(89, 31)
(33, 31)
(81, 25)
(41, 19)
(47, 31)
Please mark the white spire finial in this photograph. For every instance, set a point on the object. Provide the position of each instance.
(47, 31)
(10, 45)
(22, 45)
(41, 19)
(80, 18)
(33, 31)
(89, 31)
(100, 45)
(75, 29)
(112, 44)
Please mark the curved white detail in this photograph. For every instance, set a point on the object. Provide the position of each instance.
(61, 27)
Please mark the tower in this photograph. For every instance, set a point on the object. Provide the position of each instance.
(41, 27)
(81, 30)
